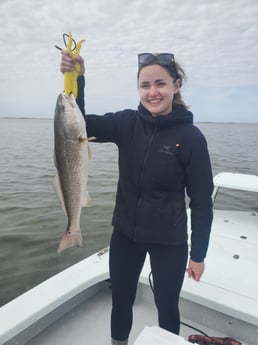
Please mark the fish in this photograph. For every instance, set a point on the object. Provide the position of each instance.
(72, 155)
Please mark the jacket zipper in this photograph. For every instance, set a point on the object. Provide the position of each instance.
(146, 156)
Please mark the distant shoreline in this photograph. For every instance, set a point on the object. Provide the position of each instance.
(24, 118)
(49, 118)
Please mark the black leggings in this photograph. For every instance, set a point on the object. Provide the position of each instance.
(168, 264)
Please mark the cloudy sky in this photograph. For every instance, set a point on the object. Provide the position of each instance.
(215, 41)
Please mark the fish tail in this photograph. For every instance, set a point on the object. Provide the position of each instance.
(70, 240)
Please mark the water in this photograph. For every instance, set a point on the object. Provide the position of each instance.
(31, 220)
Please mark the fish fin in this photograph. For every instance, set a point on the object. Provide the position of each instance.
(83, 139)
(89, 149)
(70, 240)
(87, 201)
(91, 138)
(89, 152)
(59, 193)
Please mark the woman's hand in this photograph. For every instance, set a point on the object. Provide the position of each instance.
(195, 270)
(68, 61)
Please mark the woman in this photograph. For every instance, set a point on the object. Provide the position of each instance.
(161, 154)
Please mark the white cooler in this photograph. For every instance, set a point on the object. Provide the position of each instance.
(158, 336)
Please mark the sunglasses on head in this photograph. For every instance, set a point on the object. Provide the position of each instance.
(161, 59)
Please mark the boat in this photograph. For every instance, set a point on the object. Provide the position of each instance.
(73, 307)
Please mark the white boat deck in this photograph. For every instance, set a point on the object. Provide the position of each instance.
(90, 322)
(230, 281)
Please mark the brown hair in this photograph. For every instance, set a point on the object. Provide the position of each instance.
(176, 72)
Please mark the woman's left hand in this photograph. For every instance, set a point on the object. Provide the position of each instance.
(195, 270)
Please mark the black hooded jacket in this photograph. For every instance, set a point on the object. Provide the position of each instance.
(159, 159)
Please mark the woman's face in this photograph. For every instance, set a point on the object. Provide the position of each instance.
(157, 89)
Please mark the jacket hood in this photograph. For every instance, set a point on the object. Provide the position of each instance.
(179, 114)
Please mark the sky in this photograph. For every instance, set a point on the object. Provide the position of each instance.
(215, 41)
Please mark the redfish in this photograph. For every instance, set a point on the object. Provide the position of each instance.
(71, 160)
